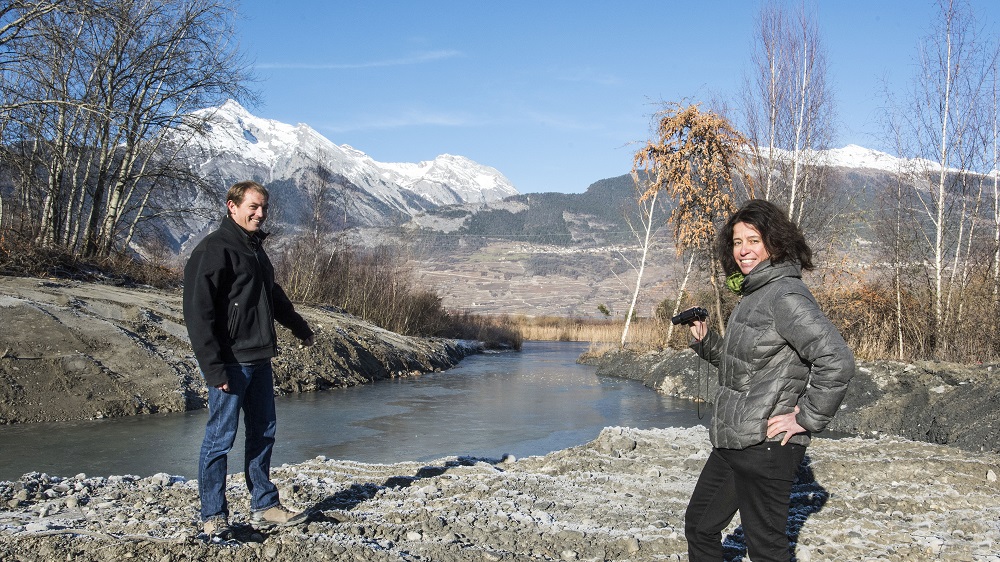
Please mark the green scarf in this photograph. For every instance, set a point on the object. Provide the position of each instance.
(735, 282)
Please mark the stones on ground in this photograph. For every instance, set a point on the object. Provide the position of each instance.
(620, 497)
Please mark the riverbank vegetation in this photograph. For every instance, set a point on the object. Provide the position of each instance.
(376, 284)
(645, 334)
(26, 258)
(372, 285)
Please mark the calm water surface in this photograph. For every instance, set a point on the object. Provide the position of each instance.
(528, 403)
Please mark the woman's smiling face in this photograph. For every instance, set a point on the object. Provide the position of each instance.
(748, 247)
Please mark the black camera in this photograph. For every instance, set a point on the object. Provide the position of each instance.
(690, 315)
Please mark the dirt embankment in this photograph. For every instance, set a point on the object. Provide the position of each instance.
(72, 350)
(941, 403)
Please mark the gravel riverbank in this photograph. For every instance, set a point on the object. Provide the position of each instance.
(620, 497)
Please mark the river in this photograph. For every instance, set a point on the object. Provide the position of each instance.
(523, 403)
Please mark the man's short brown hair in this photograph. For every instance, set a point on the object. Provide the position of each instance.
(239, 190)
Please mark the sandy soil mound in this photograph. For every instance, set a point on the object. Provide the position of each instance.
(72, 350)
(620, 497)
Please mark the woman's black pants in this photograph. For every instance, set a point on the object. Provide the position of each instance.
(757, 482)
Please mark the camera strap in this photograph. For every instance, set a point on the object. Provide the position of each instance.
(699, 396)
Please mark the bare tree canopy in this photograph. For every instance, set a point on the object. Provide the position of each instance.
(788, 109)
(96, 96)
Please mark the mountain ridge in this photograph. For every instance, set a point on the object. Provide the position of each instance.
(236, 144)
(306, 170)
(484, 249)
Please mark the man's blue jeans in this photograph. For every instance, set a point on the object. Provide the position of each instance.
(251, 389)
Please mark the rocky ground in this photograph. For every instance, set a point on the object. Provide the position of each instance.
(620, 497)
(943, 403)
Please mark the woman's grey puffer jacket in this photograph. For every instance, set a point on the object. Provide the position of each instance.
(779, 351)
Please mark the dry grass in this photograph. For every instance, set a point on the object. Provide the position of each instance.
(865, 312)
(644, 334)
(25, 259)
(863, 308)
(375, 284)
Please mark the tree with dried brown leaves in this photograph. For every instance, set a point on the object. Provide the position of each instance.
(698, 161)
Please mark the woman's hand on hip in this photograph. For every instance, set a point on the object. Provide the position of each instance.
(784, 423)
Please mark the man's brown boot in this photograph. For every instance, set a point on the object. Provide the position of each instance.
(279, 516)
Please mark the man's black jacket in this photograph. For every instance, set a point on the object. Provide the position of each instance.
(231, 302)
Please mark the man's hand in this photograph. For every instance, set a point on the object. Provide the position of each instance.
(224, 387)
(308, 341)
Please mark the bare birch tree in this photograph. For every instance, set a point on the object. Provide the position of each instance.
(993, 144)
(811, 112)
(105, 90)
(647, 206)
(313, 252)
(764, 94)
(936, 127)
(16, 16)
(788, 110)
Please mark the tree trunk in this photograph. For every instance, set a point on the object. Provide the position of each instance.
(642, 267)
(939, 230)
(680, 294)
(714, 277)
(803, 97)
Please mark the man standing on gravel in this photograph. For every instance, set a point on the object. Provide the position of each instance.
(230, 305)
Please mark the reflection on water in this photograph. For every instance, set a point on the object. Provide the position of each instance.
(528, 403)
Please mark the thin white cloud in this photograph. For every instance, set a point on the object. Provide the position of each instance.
(416, 58)
(407, 119)
(424, 118)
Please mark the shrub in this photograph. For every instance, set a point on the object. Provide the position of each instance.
(376, 285)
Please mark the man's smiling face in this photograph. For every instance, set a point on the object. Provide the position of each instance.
(251, 213)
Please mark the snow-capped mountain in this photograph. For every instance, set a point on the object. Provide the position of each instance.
(434, 180)
(854, 156)
(861, 158)
(238, 145)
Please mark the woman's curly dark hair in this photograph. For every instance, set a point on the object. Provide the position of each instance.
(782, 238)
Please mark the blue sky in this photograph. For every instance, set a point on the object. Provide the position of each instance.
(554, 94)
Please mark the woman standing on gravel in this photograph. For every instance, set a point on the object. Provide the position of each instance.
(783, 372)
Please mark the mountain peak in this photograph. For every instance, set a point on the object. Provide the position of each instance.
(234, 107)
(854, 156)
(240, 145)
